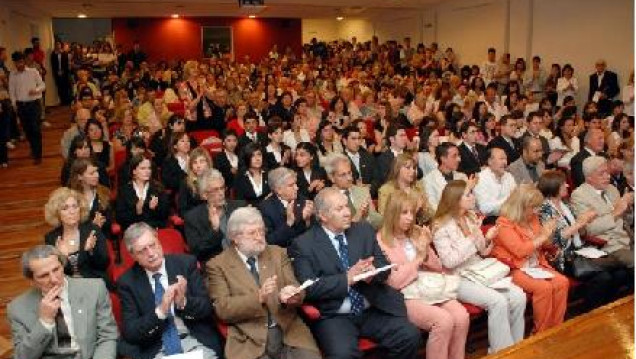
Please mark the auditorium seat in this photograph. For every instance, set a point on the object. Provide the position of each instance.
(171, 241)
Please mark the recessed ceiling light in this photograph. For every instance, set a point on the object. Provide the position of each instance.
(252, 16)
(339, 18)
(175, 16)
(82, 16)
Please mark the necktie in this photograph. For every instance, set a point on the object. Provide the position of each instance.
(350, 202)
(475, 153)
(606, 197)
(170, 336)
(63, 334)
(357, 301)
(251, 261)
(532, 170)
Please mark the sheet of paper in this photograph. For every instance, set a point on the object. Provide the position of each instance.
(195, 354)
(597, 96)
(590, 252)
(371, 273)
(538, 273)
(503, 283)
(306, 284)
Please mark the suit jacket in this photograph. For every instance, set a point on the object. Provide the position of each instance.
(314, 256)
(514, 245)
(512, 152)
(142, 329)
(171, 174)
(470, 164)
(94, 327)
(359, 195)
(90, 265)
(64, 64)
(127, 207)
(244, 190)
(275, 218)
(203, 241)
(605, 226)
(261, 141)
(576, 167)
(520, 172)
(270, 159)
(368, 171)
(222, 163)
(303, 185)
(187, 199)
(609, 85)
(234, 292)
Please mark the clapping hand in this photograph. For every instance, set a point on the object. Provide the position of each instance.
(268, 287)
(289, 295)
(181, 288)
(154, 202)
(90, 242)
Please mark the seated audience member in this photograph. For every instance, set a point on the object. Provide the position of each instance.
(237, 124)
(398, 141)
(80, 148)
(84, 178)
(43, 320)
(227, 161)
(100, 147)
(206, 224)
(310, 177)
(566, 141)
(534, 123)
(447, 156)
(408, 246)
(359, 200)
(495, 184)
(165, 306)
(599, 288)
(334, 251)
(460, 243)
(521, 244)
(251, 134)
(471, 153)
(198, 163)
(327, 141)
(160, 141)
(135, 147)
(256, 293)
(363, 164)
(79, 240)
(429, 140)
(593, 145)
(127, 129)
(506, 140)
(286, 214)
(142, 199)
(175, 168)
(529, 167)
(251, 184)
(597, 194)
(276, 152)
(297, 133)
(82, 115)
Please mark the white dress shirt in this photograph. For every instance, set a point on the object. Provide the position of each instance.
(67, 311)
(20, 83)
(355, 158)
(491, 191)
(181, 327)
(563, 90)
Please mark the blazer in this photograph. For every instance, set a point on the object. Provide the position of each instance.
(270, 159)
(314, 256)
(102, 207)
(368, 171)
(62, 63)
(609, 85)
(470, 164)
(234, 292)
(142, 329)
(520, 172)
(90, 265)
(126, 212)
(576, 167)
(243, 189)
(358, 196)
(203, 241)
(303, 185)
(512, 152)
(513, 244)
(222, 163)
(275, 218)
(186, 199)
(605, 226)
(94, 327)
(457, 251)
(171, 174)
(261, 141)
(434, 184)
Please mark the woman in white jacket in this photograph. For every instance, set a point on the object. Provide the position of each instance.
(459, 243)
(567, 85)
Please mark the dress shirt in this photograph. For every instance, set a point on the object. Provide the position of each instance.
(257, 187)
(141, 192)
(244, 258)
(277, 153)
(232, 158)
(67, 311)
(355, 158)
(181, 327)
(20, 83)
(492, 191)
(183, 162)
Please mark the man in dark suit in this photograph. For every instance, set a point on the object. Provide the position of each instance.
(506, 140)
(60, 65)
(286, 214)
(335, 252)
(534, 124)
(472, 154)
(165, 305)
(398, 141)
(205, 224)
(363, 164)
(603, 87)
(593, 145)
(251, 134)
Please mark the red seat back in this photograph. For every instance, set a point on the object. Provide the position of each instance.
(171, 241)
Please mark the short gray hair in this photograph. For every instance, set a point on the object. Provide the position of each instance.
(278, 177)
(323, 200)
(135, 231)
(39, 252)
(208, 176)
(332, 161)
(591, 164)
(241, 217)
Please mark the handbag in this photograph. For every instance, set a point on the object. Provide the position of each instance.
(579, 267)
(432, 287)
(487, 271)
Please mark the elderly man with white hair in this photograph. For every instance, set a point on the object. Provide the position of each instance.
(597, 194)
(286, 214)
(256, 293)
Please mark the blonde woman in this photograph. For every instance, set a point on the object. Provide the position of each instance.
(409, 247)
(403, 176)
(460, 243)
(199, 162)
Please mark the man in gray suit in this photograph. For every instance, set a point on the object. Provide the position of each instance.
(339, 170)
(529, 167)
(60, 317)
